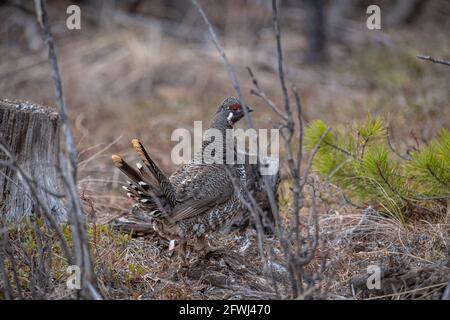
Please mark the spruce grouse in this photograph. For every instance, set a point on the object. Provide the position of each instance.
(198, 198)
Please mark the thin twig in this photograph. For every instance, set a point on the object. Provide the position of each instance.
(407, 291)
(302, 261)
(226, 62)
(388, 138)
(76, 215)
(300, 128)
(53, 61)
(312, 156)
(259, 93)
(434, 60)
(276, 30)
(233, 79)
(287, 128)
(236, 86)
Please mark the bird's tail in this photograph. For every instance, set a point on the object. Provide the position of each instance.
(148, 195)
(163, 181)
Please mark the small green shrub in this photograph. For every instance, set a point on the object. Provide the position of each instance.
(360, 162)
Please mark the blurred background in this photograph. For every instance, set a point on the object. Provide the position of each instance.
(144, 68)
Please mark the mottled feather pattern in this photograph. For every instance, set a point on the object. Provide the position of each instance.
(196, 199)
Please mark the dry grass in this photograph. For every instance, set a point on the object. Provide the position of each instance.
(411, 257)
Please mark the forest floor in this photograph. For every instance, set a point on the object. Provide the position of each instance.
(124, 82)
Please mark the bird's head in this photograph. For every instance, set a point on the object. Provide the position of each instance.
(231, 109)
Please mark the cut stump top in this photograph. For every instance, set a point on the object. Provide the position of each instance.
(28, 107)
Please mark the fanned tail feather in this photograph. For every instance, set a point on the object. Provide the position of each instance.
(164, 183)
(148, 195)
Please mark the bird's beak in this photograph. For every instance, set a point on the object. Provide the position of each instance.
(249, 109)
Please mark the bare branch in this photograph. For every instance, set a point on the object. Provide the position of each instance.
(302, 261)
(236, 86)
(233, 78)
(259, 93)
(388, 138)
(434, 60)
(48, 39)
(276, 30)
(291, 248)
(300, 128)
(226, 62)
(312, 156)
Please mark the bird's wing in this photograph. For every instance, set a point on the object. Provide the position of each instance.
(200, 188)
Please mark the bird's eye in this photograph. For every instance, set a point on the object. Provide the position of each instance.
(235, 107)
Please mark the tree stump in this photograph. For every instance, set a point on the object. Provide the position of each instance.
(30, 133)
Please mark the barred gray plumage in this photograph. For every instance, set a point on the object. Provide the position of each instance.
(196, 199)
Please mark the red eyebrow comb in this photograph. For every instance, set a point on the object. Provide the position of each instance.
(235, 107)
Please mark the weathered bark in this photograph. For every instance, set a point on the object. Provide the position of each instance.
(30, 133)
